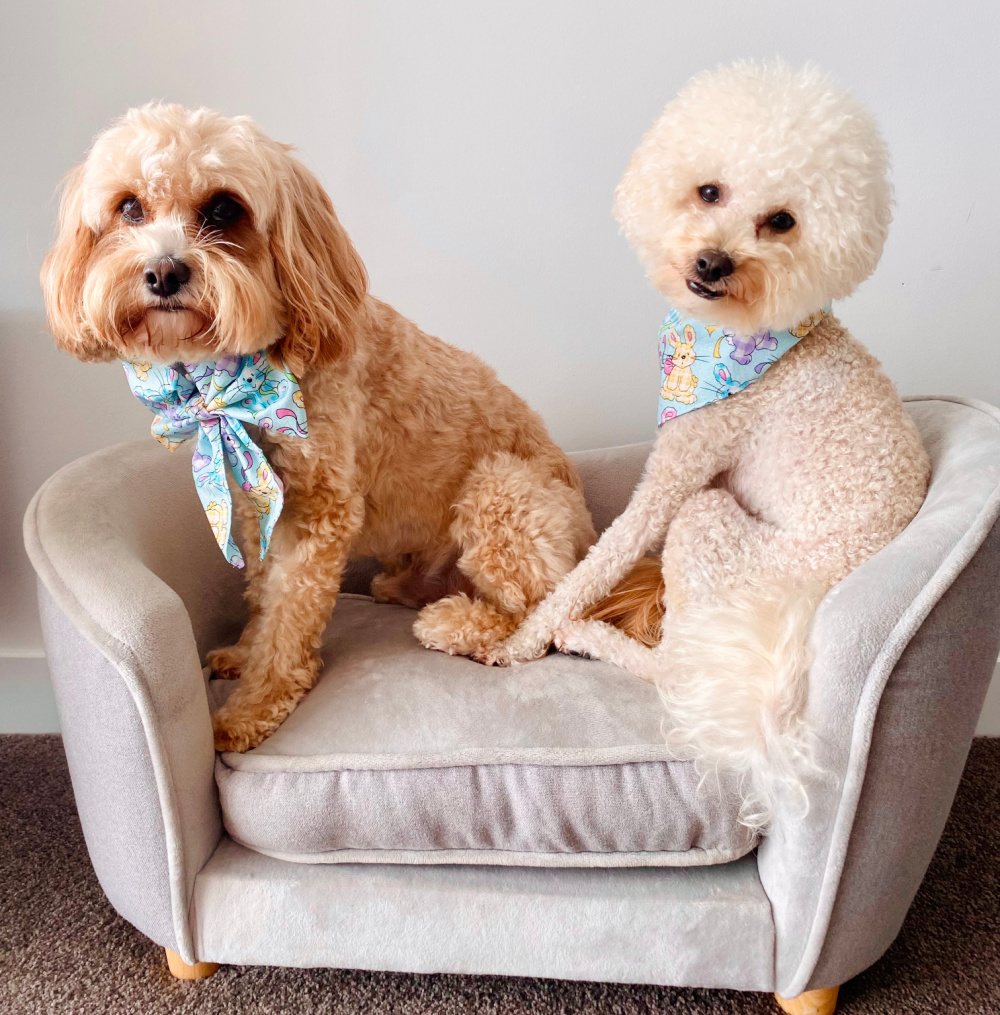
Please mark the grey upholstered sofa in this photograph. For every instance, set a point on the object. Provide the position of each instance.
(420, 813)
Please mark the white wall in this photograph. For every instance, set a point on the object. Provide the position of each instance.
(472, 150)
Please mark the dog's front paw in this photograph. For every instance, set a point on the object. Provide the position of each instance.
(226, 663)
(528, 643)
(574, 638)
(496, 655)
(239, 733)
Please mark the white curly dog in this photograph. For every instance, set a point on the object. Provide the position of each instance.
(759, 196)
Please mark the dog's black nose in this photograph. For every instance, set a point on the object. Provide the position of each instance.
(712, 265)
(165, 275)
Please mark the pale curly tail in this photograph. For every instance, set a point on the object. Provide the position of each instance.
(735, 685)
(734, 681)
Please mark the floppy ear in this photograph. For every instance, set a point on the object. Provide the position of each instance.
(64, 272)
(321, 277)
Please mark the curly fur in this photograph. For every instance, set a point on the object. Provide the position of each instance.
(772, 137)
(759, 632)
(635, 604)
(416, 453)
(767, 499)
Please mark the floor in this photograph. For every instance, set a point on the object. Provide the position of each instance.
(64, 950)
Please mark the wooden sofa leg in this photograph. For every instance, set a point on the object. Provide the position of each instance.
(182, 971)
(812, 1002)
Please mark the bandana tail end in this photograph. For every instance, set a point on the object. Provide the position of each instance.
(209, 470)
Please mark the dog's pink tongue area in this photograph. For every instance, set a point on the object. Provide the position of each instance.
(162, 327)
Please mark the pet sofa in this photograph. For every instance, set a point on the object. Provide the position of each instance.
(418, 812)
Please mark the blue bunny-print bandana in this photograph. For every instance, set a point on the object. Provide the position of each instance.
(214, 400)
(701, 363)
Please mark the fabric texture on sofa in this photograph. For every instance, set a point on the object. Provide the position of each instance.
(707, 926)
(400, 755)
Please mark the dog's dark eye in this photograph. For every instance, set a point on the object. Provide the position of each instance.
(709, 193)
(222, 211)
(781, 222)
(131, 210)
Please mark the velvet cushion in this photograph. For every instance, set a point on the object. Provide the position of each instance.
(400, 755)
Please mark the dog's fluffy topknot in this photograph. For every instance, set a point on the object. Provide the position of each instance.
(772, 139)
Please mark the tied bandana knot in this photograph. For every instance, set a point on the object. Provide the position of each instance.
(214, 400)
(701, 363)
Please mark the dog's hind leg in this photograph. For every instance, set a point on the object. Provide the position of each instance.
(421, 579)
(741, 598)
(462, 625)
(518, 529)
(712, 544)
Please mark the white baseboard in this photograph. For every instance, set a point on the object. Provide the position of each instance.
(27, 704)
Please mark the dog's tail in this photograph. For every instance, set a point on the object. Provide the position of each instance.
(735, 684)
(635, 604)
(734, 680)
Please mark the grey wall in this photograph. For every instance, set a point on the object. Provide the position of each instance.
(472, 150)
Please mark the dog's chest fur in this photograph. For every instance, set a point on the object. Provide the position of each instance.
(826, 444)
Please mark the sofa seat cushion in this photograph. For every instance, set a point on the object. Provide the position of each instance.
(402, 755)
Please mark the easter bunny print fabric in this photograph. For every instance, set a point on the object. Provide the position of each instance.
(214, 400)
(701, 363)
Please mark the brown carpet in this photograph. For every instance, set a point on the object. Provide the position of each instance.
(64, 950)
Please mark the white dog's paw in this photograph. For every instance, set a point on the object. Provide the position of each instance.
(596, 639)
(532, 639)
(529, 642)
(576, 637)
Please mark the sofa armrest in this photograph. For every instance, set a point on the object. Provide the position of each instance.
(904, 649)
(132, 590)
